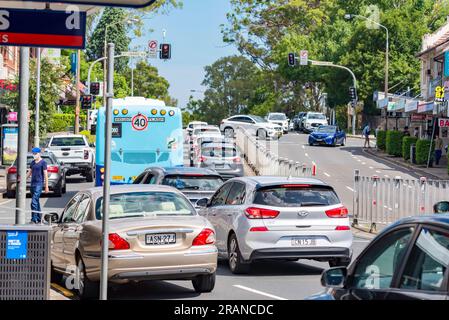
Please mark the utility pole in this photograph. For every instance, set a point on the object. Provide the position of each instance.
(107, 177)
(24, 88)
(78, 97)
(38, 96)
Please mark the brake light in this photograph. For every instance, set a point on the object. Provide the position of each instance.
(207, 236)
(202, 159)
(260, 213)
(258, 229)
(296, 186)
(53, 169)
(237, 160)
(340, 212)
(12, 170)
(117, 243)
(86, 154)
(342, 228)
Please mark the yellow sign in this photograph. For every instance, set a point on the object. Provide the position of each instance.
(117, 178)
(439, 94)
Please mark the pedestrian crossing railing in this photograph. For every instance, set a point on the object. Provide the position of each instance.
(380, 201)
(263, 157)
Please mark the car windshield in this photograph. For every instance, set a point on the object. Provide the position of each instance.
(277, 116)
(219, 152)
(327, 129)
(193, 182)
(296, 196)
(259, 119)
(141, 204)
(67, 142)
(317, 116)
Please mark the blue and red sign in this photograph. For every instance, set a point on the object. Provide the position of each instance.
(43, 28)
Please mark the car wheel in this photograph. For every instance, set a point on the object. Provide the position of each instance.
(229, 132)
(343, 142)
(56, 277)
(64, 188)
(58, 190)
(334, 142)
(90, 175)
(236, 262)
(204, 283)
(86, 289)
(261, 134)
(10, 194)
(339, 262)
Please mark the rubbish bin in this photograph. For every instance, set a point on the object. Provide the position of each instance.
(413, 153)
(25, 262)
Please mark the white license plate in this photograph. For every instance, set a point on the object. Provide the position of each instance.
(221, 166)
(160, 239)
(303, 242)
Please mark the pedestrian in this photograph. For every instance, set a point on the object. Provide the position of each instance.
(416, 132)
(438, 149)
(366, 132)
(39, 182)
(406, 132)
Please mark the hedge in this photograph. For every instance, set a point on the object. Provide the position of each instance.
(394, 143)
(422, 151)
(406, 144)
(381, 139)
(61, 121)
(90, 138)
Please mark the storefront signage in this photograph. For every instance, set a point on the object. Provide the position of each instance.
(411, 106)
(427, 107)
(443, 122)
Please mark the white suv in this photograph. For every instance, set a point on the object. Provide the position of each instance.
(313, 120)
(255, 125)
(279, 119)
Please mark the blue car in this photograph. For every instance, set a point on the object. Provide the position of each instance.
(328, 135)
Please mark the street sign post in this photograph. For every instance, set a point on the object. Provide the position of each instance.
(43, 28)
(104, 3)
(153, 47)
(304, 58)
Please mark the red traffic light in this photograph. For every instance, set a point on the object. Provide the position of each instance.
(165, 51)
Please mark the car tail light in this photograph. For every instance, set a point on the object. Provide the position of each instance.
(296, 186)
(207, 236)
(237, 160)
(12, 170)
(117, 243)
(340, 212)
(86, 154)
(260, 213)
(342, 228)
(202, 159)
(53, 169)
(258, 229)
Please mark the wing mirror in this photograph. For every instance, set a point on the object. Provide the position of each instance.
(51, 217)
(334, 278)
(202, 203)
(441, 207)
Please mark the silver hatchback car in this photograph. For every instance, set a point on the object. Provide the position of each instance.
(258, 218)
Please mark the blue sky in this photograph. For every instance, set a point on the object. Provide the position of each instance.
(194, 32)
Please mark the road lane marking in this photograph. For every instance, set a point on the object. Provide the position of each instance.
(386, 176)
(307, 155)
(259, 292)
(350, 189)
(372, 168)
(327, 174)
(363, 163)
(304, 147)
(377, 171)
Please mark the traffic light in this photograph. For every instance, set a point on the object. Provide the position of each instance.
(86, 102)
(291, 60)
(165, 52)
(95, 88)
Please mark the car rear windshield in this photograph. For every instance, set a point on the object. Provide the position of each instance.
(68, 141)
(193, 182)
(296, 196)
(141, 204)
(318, 116)
(277, 117)
(47, 159)
(219, 152)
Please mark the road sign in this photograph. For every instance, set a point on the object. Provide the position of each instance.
(16, 245)
(39, 28)
(104, 3)
(153, 47)
(139, 122)
(443, 123)
(304, 58)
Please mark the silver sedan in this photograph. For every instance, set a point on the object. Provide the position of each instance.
(258, 218)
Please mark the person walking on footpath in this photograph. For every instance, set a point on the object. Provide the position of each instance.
(406, 132)
(438, 149)
(366, 132)
(39, 181)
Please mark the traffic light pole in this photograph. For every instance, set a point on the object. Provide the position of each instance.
(78, 96)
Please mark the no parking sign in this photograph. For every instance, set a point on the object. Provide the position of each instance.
(139, 122)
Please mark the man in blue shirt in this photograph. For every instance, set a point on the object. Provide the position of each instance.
(366, 132)
(39, 181)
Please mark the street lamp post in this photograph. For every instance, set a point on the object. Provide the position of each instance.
(387, 56)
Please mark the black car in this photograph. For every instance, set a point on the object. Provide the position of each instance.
(194, 183)
(407, 261)
(298, 123)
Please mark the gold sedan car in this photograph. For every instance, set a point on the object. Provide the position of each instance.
(155, 234)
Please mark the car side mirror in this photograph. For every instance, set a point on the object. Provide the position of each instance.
(441, 207)
(92, 145)
(202, 203)
(51, 217)
(334, 278)
(61, 163)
